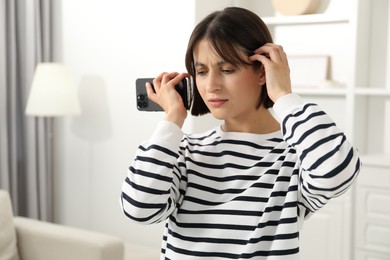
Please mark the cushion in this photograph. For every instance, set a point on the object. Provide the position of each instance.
(139, 252)
(8, 249)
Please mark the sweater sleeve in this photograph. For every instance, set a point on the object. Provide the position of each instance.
(328, 162)
(152, 186)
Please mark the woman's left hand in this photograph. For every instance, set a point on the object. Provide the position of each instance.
(277, 71)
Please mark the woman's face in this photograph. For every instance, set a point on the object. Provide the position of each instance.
(230, 92)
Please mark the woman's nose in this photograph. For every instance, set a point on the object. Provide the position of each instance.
(213, 83)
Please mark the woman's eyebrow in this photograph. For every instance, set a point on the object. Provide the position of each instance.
(200, 64)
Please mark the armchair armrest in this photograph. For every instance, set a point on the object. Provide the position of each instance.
(38, 240)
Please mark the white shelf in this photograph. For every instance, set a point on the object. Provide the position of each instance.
(380, 160)
(304, 19)
(327, 91)
(372, 91)
(320, 91)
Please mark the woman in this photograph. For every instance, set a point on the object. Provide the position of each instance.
(243, 189)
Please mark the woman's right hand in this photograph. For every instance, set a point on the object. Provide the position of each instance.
(277, 71)
(167, 97)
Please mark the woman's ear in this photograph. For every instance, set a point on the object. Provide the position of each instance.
(261, 77)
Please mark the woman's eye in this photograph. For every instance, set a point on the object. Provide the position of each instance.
(201, 72)
(228, 71)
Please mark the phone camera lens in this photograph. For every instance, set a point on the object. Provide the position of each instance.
(142, 101)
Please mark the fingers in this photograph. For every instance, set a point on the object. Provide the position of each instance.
(272, 56)
(276, 67)
(269, 48)
(150, 91)
(167, 77)
(168, 80)
(164, 87)
(270, 52)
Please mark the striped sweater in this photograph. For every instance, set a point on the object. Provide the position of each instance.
(230, 195)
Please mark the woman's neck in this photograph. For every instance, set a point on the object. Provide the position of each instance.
(260, 122)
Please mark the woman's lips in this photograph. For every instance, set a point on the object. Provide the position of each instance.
(217, 102)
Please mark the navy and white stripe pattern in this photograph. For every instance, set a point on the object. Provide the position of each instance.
(239, 195)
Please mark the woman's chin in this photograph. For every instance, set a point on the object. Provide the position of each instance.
(219, 115)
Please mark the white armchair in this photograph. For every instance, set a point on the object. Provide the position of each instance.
(28, 239)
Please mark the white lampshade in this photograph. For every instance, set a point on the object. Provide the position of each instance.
(53, 92)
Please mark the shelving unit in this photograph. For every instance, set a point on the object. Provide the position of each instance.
(374, 91)
(304, 19)
(337, 92)
(379, 160)
(339, 102)
(367, 115)
(356, 35)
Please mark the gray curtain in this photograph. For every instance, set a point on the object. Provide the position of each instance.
(25, 148)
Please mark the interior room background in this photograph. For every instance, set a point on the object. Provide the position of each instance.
(108, 44)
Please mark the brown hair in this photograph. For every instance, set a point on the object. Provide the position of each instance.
(231, 32)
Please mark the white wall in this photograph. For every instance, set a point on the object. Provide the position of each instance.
(108, 44)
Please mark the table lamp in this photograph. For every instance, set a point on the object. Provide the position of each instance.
(53, 92)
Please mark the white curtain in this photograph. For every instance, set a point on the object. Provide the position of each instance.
(25, 142)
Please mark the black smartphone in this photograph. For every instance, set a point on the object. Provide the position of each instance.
(143, 102)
